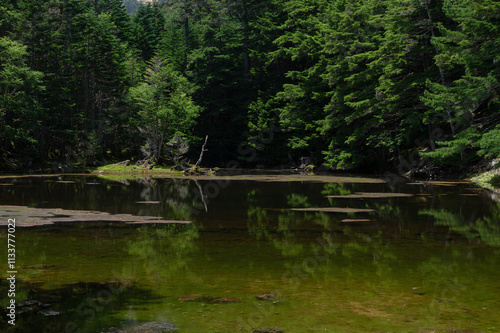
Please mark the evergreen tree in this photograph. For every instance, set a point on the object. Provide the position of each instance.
(217, 65)
(468, 53)
(119, 17)
(20, 110)
(149, 27)
(166, 108)
(339, 82)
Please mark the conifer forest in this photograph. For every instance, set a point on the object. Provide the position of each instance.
(347, 84)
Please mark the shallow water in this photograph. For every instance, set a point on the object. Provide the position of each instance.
(420, 262)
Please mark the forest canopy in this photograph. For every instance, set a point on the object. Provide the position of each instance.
(348, 84)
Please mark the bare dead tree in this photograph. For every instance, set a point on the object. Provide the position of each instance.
(202, 151)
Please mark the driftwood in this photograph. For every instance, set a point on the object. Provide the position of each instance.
(182, 167)
(146, 163)
(194, 169)
(123, 163)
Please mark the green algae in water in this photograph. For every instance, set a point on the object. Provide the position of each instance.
(403, 272)
(350, 286)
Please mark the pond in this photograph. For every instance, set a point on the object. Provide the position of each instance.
(262, 253)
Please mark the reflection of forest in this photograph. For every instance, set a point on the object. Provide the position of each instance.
(173, 199)
(296, 234)
(486, 229)
(391, 261)
(176, 197)
(420, 263)
(166, 252)
(249, 241)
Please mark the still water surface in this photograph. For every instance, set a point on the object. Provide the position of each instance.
(411, 257)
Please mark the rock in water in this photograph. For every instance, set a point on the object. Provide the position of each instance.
(152, 327)
(155, 328)
(225, 300)
(268, 330)
(268, 297)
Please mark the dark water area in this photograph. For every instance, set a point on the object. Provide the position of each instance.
(322, 253)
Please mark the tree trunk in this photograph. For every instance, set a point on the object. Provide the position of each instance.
(202, 151)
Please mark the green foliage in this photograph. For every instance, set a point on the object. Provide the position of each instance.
(466, 146)
(489, 143)
(454, 152)
(20, 110)
(165, 106)
(347, 84)
(467, 51)
(140, 171)
(342, 159)
(148, 28)
(119, 17)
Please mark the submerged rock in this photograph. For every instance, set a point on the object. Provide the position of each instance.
(268, 297)
(48, 313)
(225, 300)
(39, 266)
(32, 306)
(152, 327)
(310, 169)
(268, 330)
(208, 299)
(196, 298)
(113, 330)
(32, 302)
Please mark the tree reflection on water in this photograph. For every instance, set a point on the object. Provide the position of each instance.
(166, 252)
(486, 228)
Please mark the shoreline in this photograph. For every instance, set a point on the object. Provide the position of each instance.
(489, 179)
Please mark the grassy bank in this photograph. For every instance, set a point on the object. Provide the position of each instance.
(133, 171)
(489, 179)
